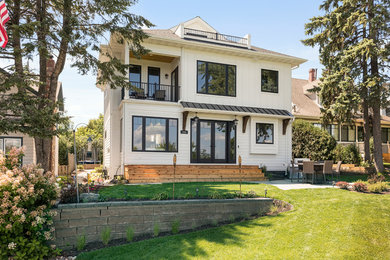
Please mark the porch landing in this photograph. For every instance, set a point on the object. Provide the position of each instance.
(192, 173)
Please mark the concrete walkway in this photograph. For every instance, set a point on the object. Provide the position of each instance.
(288, 185)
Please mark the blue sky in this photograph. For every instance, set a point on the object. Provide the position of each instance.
(276, 25)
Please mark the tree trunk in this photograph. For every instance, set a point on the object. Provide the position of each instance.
(377, 135)
(43, 150)
(367, 135)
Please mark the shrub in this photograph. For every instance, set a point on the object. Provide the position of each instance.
(188, 196)
(251, 194)
(26, 195)
(216, 195)
(374, 178)
(377, 187)
(80, 243)
(99, 169)
(175, 226)
(160, 196)
(156, 230)
(359, 186)
(312, 142)
(129, 234)
(106, 235)
(80, 167)
(347, 154)
(342, 185)
(214, 222)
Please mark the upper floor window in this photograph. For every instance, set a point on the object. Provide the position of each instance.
(264, 133)
(269, 81)
(135, 75)
(216, 79)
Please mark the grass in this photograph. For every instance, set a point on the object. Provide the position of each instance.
(325, 224)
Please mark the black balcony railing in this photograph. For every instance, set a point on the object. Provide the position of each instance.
(216, 36)
(152, 91)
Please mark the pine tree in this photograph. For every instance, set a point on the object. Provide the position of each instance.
(69, 31)
(353, 36)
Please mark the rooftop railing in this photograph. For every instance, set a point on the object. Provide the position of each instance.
(216, 36)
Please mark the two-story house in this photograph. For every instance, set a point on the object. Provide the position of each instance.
(306, 105)
(206, 97)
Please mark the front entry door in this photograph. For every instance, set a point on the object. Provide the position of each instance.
(213, 142)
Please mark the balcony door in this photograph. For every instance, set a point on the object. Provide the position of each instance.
(153, 81)
(213, 142)
(175, 84)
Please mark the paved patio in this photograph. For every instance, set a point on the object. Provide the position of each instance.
(288, 185)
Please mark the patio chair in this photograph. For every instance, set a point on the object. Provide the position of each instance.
(140, 94)
(308, 168)
(338, 170)
(295, 172)
(160, 94)
(327, 169)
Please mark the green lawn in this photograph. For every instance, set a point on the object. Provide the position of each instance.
(325, 224)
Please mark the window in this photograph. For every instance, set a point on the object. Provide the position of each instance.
(264, 133)
(7, 143)
(135, 74)
(333, 130)
(317, 125)
(360, 134)
(269, 81)
(216, 79)
(385, 135)
(155, 134)
(348, 133)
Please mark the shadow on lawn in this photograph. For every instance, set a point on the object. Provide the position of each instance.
(182, 246)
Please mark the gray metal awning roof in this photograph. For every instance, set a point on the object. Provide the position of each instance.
(237, 109)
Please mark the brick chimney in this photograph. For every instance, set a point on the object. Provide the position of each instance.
(312, 74)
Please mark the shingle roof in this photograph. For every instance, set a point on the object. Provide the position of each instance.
(167, 33)
(304, 106)
(243, 109)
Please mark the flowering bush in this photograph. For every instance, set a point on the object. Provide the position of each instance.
(342, 185)
(26, 195)
(359, 186)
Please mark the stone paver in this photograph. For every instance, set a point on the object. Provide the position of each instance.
(288, 185)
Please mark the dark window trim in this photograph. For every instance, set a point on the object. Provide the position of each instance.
(273, 133)
(228, 160)
(348, 128)
(144, 134)
(140, 71)
(261, 82)
(226, 79)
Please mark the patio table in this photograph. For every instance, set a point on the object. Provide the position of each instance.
(318, 168)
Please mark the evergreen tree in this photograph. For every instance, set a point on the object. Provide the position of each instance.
(70, 31)
(353, 36)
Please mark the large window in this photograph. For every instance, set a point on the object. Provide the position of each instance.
(264, 133)
(348, 133)
(7, 143)
(216, 79)
(269, 81)
(135, 76)
(333, 130)
(385, 135)
(155, 134)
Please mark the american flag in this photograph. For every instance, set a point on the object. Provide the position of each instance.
(4, 17)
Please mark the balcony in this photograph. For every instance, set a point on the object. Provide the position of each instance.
(215, 37)
(152, 91)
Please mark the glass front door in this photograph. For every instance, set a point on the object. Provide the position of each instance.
(213, 142)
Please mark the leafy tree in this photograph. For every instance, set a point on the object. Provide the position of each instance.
(311, 142)
(94, 129)
(353, 36)
(69, 31)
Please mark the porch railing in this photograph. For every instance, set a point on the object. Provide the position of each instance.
(216, 36)
(152, 91)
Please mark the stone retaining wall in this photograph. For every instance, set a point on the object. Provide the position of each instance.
(89, 219)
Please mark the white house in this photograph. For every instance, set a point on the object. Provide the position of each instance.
(205, 96)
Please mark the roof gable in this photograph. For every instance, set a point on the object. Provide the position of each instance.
(196, 23)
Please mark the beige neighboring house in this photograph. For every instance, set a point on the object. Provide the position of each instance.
(17, 139)
(306, 105)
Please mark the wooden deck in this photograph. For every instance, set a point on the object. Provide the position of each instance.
(191, 173)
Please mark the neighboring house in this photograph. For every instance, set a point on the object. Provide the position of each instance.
(306, 105)
(205, 96)
(17, 139)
